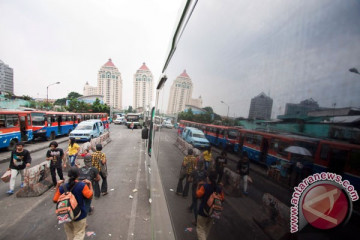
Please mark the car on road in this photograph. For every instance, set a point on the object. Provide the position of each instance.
(195, 137)
(167, 124)
(87, 130)
(119, 120)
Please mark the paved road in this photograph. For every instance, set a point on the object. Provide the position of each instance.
(116, 216)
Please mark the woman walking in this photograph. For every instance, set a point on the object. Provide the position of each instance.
(73, 150)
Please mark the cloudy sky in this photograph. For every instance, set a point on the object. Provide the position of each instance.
(291, 50)
(46, 41)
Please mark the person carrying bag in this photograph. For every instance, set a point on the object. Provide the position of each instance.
(98, 160)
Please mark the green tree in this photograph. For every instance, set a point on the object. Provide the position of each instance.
(72, 95)
(60, 101)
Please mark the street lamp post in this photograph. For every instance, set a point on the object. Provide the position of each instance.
(227, 116)
(47, 91)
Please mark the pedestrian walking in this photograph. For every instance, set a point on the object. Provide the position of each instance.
(92, 174)
(81, 190)
(73, 150)
(56, 156)
(220, 162)
(98, 160)
(204, 222)
(199, 176)
(207, 155)
(19, 160)
(187, 166)
(243, 168)
(132, 126)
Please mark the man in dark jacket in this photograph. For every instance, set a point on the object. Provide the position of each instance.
(90, 173)
(19, 160)
(56, 156)
(243, 168)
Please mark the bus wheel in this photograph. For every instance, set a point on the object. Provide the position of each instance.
(52, 136)
(12, 145)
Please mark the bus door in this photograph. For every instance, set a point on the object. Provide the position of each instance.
(264, 150)
(59, 120)
(24, 136)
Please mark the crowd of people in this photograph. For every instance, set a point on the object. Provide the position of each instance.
(205, 175)
(83, 182)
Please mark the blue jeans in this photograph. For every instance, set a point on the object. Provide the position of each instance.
(72, 160)
(87, 203)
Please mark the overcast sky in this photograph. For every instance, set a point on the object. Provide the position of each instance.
(291, 50)
(46, 41)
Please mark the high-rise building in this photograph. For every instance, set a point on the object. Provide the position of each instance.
(301, 108)
(180, 93)
(6, 78)
(110, 85)
(260, 107)
(90, 90)
(143, 87)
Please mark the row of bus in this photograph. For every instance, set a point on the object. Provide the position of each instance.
(269, 148)
(25, 126)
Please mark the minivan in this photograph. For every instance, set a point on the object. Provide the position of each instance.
(195, 137)
(87, 130)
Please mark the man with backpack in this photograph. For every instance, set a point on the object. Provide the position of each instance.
(212, 196)
(90, 173)
(199, 177)
(70, 207)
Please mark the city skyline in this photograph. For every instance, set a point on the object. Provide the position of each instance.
(43, 46)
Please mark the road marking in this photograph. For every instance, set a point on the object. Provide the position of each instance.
(135, 200)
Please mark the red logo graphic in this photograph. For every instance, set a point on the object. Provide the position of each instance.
(325, 206)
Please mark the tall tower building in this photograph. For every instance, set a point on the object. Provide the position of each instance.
(143, 87)
(180, 93)
(260, 107)
(6, 78)
(110, 85)
(90, 90)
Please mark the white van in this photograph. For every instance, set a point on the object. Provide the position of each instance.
(87, 130)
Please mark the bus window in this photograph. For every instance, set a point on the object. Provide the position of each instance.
(12, 121)
(279, 147)
(29, 120)
(2, 121)
(232, 134)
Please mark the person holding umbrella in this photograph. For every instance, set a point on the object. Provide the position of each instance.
(298, 163)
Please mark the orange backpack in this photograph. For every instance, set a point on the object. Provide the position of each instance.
(67, 207)
(213, 206)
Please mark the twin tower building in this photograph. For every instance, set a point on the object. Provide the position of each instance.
(110, 87)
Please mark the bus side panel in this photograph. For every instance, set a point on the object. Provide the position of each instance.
(5, 138)
(252, 152)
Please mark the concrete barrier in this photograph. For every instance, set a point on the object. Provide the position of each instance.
(37, 179)
(184, 146)
(232, 181)
(275, 221)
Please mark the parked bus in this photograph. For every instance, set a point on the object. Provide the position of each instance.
(15, 126)
(49, 125)
(133, 118)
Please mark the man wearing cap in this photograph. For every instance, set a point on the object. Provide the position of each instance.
(92, 174)
(19, 160)
(56, 156)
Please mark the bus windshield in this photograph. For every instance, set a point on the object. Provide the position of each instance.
(38, 119)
